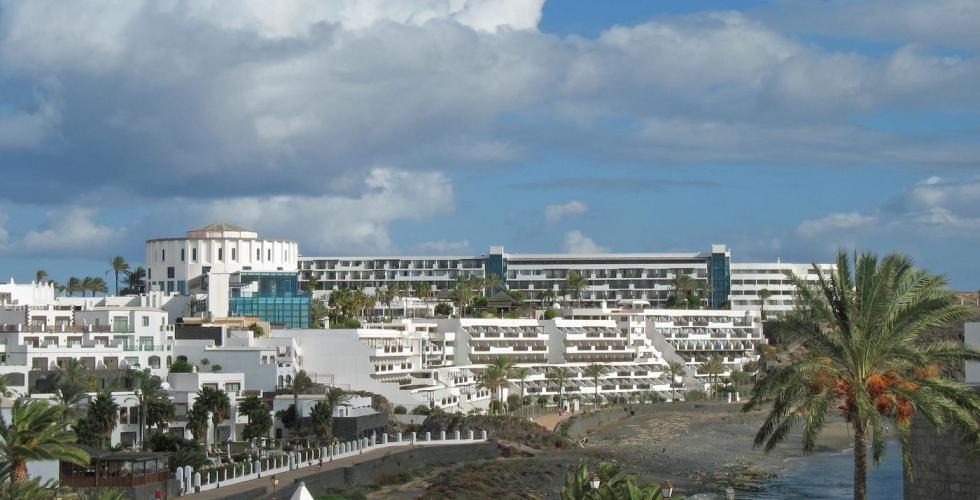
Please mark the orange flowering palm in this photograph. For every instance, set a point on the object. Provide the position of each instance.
(865, 350)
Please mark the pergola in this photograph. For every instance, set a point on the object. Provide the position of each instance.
(117, 469)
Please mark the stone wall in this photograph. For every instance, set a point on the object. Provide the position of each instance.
(941, 467)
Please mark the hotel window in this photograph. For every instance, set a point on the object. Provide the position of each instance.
(149, 273)
(270, 255)
(221, 254)
(194, 254)
(234, 254)
(182, 255)
(258, 254)
(170, 272)
(146, 321)
(163, 255)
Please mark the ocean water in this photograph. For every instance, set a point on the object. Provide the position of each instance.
(830, 476)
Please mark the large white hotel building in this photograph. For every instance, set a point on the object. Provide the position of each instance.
(611, 276)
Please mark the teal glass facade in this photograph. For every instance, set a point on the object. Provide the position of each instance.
(272, 296)
(720, 273)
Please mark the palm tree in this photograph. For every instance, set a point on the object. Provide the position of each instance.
(74, 285)
(312, 284)
(257, 413)
(764, 295)
(40, 275)
(99, 286)
(197, 420)
(118, 265)
(217, 403)
(135, 280)
(103, 413)
(713, 368)
(462, 296)
(75, 379)
(866, 347)
(683, 285)
(423, 290)
(520, 373)
(35, 432)
(594, 371)
(491, 283)
(154, 403)
(560, 376)
(321, 415)
(575, 283)
(674, 369)
(494, 378)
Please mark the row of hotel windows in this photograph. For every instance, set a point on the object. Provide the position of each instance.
(390, 367)
(221, 254)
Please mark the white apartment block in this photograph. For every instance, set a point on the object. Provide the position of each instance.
(184, 388)
(749, 278)
(179, 264)
(697, 335)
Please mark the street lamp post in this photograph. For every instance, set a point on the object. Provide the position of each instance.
(668, 490)
(275, 485)
(594, 483)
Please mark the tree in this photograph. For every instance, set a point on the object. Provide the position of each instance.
(217, 403)
(197, 421)
(312, 284)
(491, 283)
(35, 432)
(764, 295)
(560, 376)
(102, 414)
(674, 369)
(493, 379)
(575, 283)
(462, 295)
(257, 414)
(135, 280)
(443, 309)
(40, 275)
(547, 298)
(74, 379)
(423, 290)
(181, 365)
(321, 415)
(713, 368)
(684, 286)
(116, 266)
(74, 285)
(595, 371)
(864, 346)
(301, 383)
(155, 406)
(520, 373)
(318, 311)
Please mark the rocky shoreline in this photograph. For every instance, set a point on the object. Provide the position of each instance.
(700, 448)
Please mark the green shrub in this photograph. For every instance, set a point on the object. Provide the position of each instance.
(696, 396)
(400, 410)
(550, 314)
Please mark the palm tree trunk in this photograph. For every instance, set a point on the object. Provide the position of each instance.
(860, 461)
(19, 471)
(595, 402)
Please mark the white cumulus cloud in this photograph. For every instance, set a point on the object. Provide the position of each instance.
(556, 212)
(68, 232)
(576, 242)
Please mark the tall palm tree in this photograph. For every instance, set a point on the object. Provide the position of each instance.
(423, 290)
(560, 376)
(118, 265)
(75, 379)
(865, 347)
(74, 285)
(135, 280)
(575, 283)
(87, 285)
(150, 395)
(40, 275)
(98, 285)
(103, 413)
(674, 369)
(764, 295)
(594, 371)
(321, 415)
(683, 285)
(462, 296)
(312, 284)
(197, 420)
(217, 403)
(520, 373)
(494, 379)
(713, 368)
(35, 432)
(491, 283)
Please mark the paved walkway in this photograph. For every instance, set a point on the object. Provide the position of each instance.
(288, 478)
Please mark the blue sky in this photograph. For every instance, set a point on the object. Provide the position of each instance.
(786, 129)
